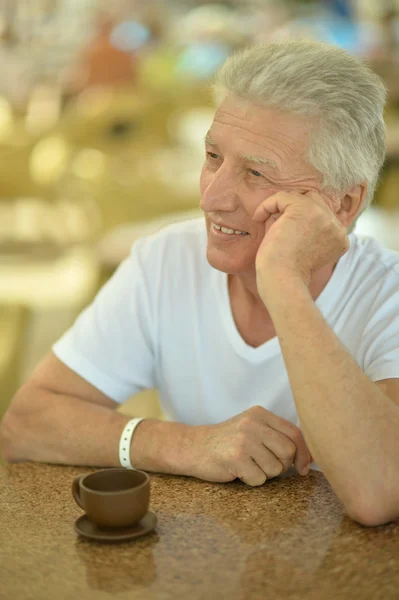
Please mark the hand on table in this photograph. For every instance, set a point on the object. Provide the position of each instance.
(253, 446)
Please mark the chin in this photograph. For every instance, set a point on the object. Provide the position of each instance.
(232, 265)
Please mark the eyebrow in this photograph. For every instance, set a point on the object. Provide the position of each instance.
(260, 160)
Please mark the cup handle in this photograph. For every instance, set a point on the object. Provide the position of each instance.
(76, 490)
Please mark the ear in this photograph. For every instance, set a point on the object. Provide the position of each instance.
(351, 204)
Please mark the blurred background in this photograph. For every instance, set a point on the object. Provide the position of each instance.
(102, 117)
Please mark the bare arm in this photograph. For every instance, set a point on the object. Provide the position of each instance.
(58, 417)
(349, 422)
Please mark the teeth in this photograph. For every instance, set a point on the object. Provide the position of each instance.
(229, 231)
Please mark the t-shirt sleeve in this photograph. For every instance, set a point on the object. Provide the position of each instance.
(111, 344)
(381, 334)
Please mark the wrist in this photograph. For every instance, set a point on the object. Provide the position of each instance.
(163, 447)
(126, 441)
(276, 283)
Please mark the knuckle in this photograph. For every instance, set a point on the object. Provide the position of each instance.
(244, 425)
(288, 452)
(249, 417)
(256, 410)
(275, 471)
(295, 433)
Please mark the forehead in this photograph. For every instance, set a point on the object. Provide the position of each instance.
(261, 131)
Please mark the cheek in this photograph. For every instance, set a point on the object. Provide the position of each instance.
(259, 230)
(255, 198)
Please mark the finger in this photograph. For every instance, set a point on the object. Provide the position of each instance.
(302, 456)
(261, 213)
(267, 461)
(281, 447)
(251, 473)
(266, 417)
(277, 203)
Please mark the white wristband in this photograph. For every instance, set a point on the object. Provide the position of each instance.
(125, 443)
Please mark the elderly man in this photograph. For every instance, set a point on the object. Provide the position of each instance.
(270, 330)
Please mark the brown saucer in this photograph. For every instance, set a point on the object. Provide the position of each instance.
(91, 531)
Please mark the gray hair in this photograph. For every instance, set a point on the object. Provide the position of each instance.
(344, 97)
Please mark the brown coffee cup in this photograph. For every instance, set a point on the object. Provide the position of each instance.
(113, 497)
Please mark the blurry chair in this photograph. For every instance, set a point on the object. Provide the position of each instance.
(55, 292)
(107, 119)
(116, 137)
(15, 176)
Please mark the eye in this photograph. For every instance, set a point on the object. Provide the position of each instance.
(255, 173)
(212, 155)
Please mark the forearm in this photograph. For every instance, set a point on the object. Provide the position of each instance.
(350, 426)
(46, 427)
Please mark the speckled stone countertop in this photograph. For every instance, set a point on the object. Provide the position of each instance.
(288, 539)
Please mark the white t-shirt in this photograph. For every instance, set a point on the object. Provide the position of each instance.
(164, 320)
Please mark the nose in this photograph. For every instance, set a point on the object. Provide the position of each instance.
(220, 191)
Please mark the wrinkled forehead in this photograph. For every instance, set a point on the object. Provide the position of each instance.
(240, 118)
(276, 137)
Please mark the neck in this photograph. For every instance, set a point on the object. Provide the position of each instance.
(245, 286)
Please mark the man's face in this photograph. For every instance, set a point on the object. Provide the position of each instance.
(251, 153)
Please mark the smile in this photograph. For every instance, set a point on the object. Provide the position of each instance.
(226, 230)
